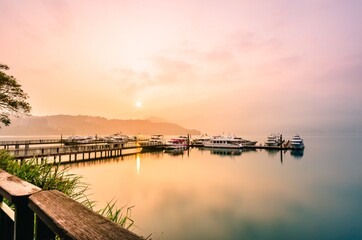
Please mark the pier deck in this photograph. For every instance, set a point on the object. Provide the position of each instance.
(76, 152)
(93, 150)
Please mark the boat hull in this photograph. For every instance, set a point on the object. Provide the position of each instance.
(225, 146)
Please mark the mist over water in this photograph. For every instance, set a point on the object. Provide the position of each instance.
(205, 194)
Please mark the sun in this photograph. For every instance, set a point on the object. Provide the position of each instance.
(138, 104)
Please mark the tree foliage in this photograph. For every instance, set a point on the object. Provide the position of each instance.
(13, 100)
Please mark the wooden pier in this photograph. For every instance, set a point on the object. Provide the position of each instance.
(61, 153)
(55, 150)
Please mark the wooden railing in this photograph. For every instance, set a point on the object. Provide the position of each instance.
(50, 151)
(30, 142)
(55, 214)
(21, 153)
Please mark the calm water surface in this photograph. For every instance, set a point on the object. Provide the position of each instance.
(201, 194)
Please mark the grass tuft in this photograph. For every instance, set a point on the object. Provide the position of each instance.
(118, 215)
(50, 176)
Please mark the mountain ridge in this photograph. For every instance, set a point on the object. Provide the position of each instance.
(90, 125)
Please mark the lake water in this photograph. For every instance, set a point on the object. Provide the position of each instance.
(202, 194)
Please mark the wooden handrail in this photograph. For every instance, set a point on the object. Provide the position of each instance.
(56, 214)
(14, 188)
(72, 220)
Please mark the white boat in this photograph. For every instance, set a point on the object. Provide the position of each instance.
(223, 142)
(200, 141)
(274, 140)
(246, 142)
(79, 139)
(297, 143)
(157, 139)
(178, 142)
(117, 138)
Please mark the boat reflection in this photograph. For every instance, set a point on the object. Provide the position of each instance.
(175, 151)
(297, 153)
(225, 152)
(272, 152)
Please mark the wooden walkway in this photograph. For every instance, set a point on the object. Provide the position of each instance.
(57, 151)
(79, 152)
(73, 152)
(27, 143)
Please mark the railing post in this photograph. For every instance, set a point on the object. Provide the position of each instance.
(24, 220)
(6, 223)
(43, 231)
(17, 191)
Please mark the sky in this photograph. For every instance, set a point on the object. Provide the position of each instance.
(236, 66)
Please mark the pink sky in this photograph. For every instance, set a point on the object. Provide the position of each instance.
(217, 66)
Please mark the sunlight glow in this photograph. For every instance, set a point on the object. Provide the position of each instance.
(138, 104)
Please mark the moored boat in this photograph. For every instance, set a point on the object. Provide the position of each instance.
(246, 142)
(274, 140)
(178, 142)
(79, 140)
(200, 141)
(117, 138)
(223, 142)
(157, 139)
(297, 143)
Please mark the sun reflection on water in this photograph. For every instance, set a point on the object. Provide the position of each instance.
(138, 164)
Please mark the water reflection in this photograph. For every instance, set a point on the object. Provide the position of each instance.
(297, 154)
(176, 151)
(272, 152)
(225, 152)
(95, 162)
(197, 196)
(138, 164)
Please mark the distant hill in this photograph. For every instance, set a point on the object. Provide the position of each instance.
(88, 125)
(156, 119)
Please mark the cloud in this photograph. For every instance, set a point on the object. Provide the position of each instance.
(130, 80)
(170, 71)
